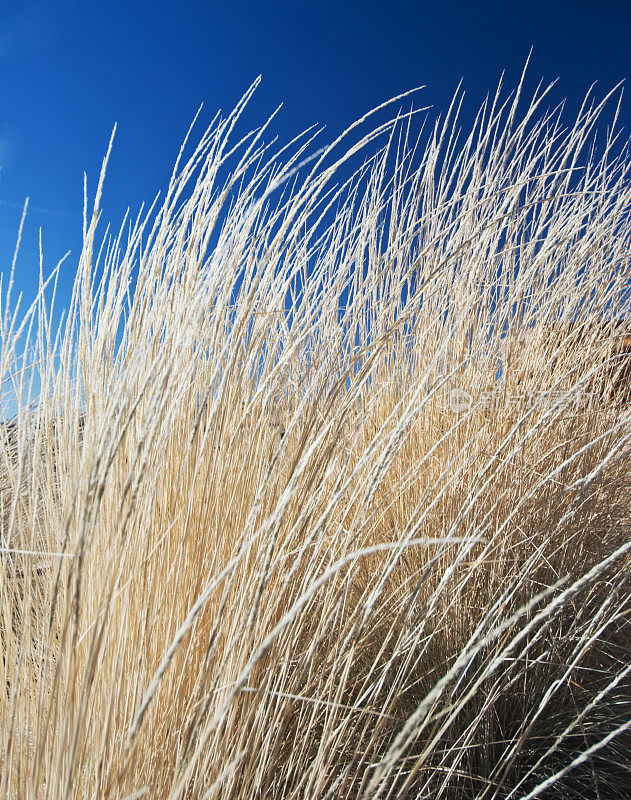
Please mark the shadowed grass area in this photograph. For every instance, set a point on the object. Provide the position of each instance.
(252, 547)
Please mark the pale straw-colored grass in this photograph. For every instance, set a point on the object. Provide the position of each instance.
(248, 548)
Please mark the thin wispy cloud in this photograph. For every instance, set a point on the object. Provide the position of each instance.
(40, 209)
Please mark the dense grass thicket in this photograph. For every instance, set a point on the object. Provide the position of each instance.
(320, 487)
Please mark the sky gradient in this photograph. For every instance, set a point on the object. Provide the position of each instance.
(70, 70)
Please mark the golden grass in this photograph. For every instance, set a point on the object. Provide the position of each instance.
(250, 549)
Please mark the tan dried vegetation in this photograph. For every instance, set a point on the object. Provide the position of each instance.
(247, 549)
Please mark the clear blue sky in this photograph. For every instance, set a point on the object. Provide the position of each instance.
(69, 70)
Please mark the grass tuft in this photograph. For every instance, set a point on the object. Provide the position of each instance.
(320, 488)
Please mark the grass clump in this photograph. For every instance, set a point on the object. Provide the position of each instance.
(253, 542)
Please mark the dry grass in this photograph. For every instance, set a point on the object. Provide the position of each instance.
(249, 550)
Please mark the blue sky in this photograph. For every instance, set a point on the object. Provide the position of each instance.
(69, 70)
